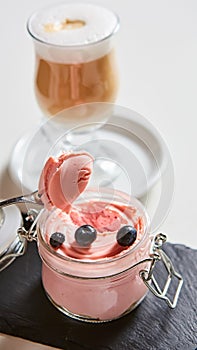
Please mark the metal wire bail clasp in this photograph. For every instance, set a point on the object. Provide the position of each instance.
(25, 233)
(149, 279)
(28, 230)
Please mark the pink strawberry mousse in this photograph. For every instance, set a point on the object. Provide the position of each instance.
(64, 178)
(100, 282)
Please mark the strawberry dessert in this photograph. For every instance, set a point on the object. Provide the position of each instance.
(93, 242)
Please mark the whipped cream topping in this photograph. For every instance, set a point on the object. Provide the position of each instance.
(72, 24)
(106, 218)
(73, 33)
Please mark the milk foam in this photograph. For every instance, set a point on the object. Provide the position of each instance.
(65, 45)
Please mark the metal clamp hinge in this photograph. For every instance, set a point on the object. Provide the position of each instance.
(30, 220)
(25, 233)
(150, 281)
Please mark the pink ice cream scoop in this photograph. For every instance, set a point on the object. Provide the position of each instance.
(64, 178)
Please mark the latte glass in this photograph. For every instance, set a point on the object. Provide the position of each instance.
(74, 56)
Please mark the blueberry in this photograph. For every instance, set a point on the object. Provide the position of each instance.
(126, 236)
(85, 235)
(56, 239)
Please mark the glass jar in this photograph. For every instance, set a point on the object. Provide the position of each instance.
(95, 288)
(102, 289)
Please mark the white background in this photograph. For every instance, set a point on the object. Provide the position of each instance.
(157, 55)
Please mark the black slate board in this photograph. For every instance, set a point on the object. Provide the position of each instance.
(26, 312)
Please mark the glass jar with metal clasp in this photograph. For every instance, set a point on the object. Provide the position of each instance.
(103, 285)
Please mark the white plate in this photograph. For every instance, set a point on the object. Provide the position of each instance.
(130, 146)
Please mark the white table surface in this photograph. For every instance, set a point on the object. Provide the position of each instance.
(157, 54)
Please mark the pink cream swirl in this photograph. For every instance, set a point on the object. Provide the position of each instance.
(64, 178)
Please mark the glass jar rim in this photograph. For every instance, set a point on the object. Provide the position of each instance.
(101, 261)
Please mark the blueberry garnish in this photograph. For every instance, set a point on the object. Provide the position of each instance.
(56, 239)
(85, 235)
(126, 236)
